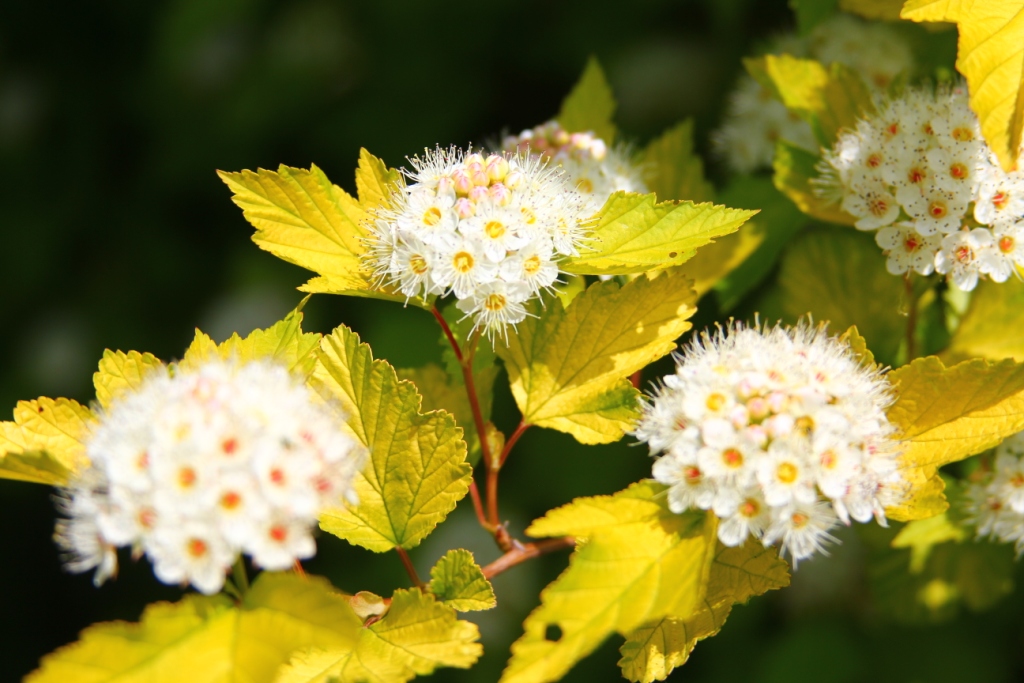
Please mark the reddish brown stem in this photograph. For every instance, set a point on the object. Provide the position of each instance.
(635, 378)
(492, 496)
(448, 333)
(411, 570)
(521, 552)
(523, 426)
(478, 506)
(298, 569)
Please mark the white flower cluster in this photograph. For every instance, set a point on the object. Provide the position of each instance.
(995, 503)
(195, 467)
(596, 169)
(781, 432)
(490, 230)
(755, 120)
(920, 174)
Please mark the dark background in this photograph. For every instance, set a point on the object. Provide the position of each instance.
(117, 234)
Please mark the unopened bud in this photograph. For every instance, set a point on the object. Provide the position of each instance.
(479, 193)
(464, 207)
(497, 168)
(500, 194)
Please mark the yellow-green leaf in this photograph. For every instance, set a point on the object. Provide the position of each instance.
(737, 574)
(990, 54)
(284, 342)
(794, 170)
(590, 105)
(991, 327)
(457, 581)
(417, 470)
(839, 276)
(672, 170)
(924, 534)
(210, 639)
(627, 574)
(635, 234)
(885, 10)
(947, 414)
(45, 440)
(417, 636)
(375, 182)
(568, 367)
(121, 371)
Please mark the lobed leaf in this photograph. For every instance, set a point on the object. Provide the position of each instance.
(590, 105)
(210, 639)
(737, 574)
(417, 470)
(417, 636)
(990, 55)
(631, 571)
(375, 182)
(119, 371)
(635, 234)
(44, 443)
(568, 366)
(457, 581)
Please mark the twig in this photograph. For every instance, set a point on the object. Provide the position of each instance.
(521, 552)
(411, 570)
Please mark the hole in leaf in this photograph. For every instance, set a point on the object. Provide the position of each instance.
(553, 633)
(672, 254)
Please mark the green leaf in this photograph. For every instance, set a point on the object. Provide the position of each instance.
(590, 105)
(44, 444)
(457, 581)
(375, 182)
(737, 574)
(768, 232)
(417, 636)
(119, 371)
(672, 170)
(417, 470)
(640, 563)
(810, 13)
(885, 10)
(210, 639)
(839, 276)
(947, 414)
(829, 98)
(990, 55)
(568, 366)
(794, 170)
(991, 327)
(284, 342)
(634, 234)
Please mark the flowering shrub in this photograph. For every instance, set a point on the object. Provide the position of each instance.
(575, 262)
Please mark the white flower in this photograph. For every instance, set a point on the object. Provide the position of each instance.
(994, 504)
(194, 467)
(961, 256)
(907, 249)
(773, 429)
(477, 227)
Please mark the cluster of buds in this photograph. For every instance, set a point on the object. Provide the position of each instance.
(193, 468)
(595, 169)
(782, 433)
(490, 230)
(919, 172)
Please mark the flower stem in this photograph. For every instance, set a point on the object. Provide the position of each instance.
(521, 552)
(409, 568)
(240, 576)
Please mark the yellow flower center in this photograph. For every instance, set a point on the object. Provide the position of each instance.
(463, 261)
(431, 216)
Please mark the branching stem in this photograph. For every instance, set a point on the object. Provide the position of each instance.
(521, 552)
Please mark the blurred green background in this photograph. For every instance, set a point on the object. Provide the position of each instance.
(118, 234)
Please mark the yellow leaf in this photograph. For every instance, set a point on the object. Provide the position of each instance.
(121, 371)
(634, 234)
(990, 54)
(375, 182)
(924, 534)
(947, 414)
(417, 470)
(992, 324)
(672, 170)
(415, 637)
(209, 639)
(457, 581)
(284, 342)
(45, 441)
(737, 574)
(627, 574)
(590, 105)
(794, 169)
(568, 367)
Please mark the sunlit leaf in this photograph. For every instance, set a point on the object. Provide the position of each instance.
(568, 367)
(44, 443)
(375, 182)
(120, 372)
(737, 574)
(590, 105)
(417, 636)
(417, 470)
(635, 234)
(457, 581)
(990, 54)
(638, 564)
(210, 639)
(991, 327)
